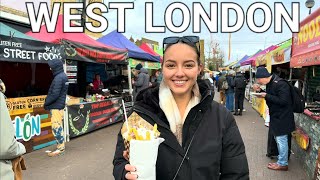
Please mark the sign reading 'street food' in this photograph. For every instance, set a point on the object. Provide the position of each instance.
(14, 49)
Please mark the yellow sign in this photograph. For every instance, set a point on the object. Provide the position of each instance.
(25, 104)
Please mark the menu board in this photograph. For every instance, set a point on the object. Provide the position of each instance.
(72, 70)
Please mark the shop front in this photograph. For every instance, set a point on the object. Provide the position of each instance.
(306, 60)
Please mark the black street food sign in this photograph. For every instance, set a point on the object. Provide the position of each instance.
(14, 49)
(84, 118)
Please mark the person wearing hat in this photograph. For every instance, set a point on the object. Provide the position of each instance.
(279, 101)
(142, 80)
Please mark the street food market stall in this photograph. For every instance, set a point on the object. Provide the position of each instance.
(24, 70)
(305, 57)
(84, 113)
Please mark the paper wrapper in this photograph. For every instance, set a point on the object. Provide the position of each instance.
(143, 155)
(134, 121)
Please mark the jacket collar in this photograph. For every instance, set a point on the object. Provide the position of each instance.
(147, 102)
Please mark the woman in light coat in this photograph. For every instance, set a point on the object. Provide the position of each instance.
(10, 148)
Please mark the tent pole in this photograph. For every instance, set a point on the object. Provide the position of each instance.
(129, 80)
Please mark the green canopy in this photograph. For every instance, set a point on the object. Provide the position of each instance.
(159, 51)
(145, 64)
(9, 31)
(285, 45)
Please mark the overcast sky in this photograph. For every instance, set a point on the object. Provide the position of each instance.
(243, 42)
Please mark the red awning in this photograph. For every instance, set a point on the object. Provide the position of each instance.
(147, 49)
(55, 37)
(306, 43)
(72, 38)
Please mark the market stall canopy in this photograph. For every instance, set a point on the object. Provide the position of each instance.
(232, 64)
(305, 46)
(80, 46)
(245, 57)
(159, 51)
(252, 59)
(118, 40)
(9, 31)
(147, 49)
(282, 54)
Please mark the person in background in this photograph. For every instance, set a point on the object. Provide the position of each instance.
(279, 100)
(97, 83)
(217, 81)
(159, 76)
(142, 80)
(230, 91)
(209, 81)
(240, 84)
(222, 90)
(10, 148)
(55, 102)
(202, 140)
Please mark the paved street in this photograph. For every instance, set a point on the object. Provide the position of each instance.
(90, 156)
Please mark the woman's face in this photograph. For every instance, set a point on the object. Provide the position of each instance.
(180, 68)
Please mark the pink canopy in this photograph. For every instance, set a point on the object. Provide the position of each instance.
(147, 49)
(58, 35)
(252, 60)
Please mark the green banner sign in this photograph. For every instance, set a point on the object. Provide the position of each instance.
(145, 64)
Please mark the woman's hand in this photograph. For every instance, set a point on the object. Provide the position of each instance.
(131, 170)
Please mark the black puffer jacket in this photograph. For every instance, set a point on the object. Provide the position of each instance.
(216, 152)
(240, 82)
(279, 101)
(56, 98)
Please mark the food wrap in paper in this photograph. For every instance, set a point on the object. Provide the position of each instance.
(142, 142)
(143, 155)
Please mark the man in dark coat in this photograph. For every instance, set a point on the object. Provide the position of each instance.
(55, 103)
(279, 101)
(240, 83)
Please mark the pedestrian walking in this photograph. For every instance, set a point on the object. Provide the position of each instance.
(279, 101)
(209, 81)
(142, 80)
(223, 86)
(185, 113)
(10, 148)
(230, 91)
(240, 87)
(159, 76)
(55, 102)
